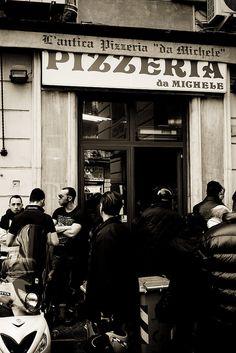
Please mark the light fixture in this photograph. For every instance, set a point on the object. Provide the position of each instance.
(175, 122)
(18, 74)
(95, 118)
(150, 131)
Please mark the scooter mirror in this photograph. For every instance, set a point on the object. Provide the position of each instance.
(32, 302)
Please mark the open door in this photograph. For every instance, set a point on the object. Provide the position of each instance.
(156, 167)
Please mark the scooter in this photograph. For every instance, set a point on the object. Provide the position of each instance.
(23, 328)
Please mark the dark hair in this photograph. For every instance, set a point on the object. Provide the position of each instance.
(93, 201)
(37, 195)
(15, 197)
(71, 192)
(111, 202)
(213, 188)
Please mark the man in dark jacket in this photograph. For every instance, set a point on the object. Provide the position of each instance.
(218, 326)
(15, 207)
(166, 246)
(215, 194)
(153, 232)
(111, 285)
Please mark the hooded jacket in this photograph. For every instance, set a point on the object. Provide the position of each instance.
(7, 218)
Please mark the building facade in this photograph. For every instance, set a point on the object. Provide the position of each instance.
(124, 96)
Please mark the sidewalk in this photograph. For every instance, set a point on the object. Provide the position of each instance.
(67, 345)
(69, 339)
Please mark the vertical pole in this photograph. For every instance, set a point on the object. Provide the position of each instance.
(3, 150)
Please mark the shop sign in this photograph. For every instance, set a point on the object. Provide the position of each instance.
(117, 46)
(116, 71)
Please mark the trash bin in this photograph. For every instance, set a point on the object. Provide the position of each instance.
(155, 335)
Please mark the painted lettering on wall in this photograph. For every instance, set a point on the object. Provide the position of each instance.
(117, 71)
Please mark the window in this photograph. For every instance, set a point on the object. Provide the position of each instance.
(104, 120)
(161, 119)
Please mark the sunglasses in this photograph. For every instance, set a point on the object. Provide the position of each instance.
(60, 196)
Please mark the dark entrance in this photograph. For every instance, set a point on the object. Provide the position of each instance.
(157, 167)
(131, 146)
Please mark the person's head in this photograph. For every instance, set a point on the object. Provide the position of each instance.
(111, 203)
(93, 202)
(67, 195)
(215, 189)
(234, 201)
(163, 196)
(37, 196)
(218, 211)
(15, 204)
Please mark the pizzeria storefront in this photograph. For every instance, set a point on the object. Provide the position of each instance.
(129, 115)
(133, 116)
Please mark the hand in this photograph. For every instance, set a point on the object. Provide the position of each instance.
(4, 300)
(50, 275)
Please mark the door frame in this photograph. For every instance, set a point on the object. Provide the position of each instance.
(129, 146)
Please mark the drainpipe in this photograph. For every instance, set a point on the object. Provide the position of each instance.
(70, 11)
(3, 151)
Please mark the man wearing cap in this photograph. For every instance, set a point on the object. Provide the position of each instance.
(153, 231)
(164, 249)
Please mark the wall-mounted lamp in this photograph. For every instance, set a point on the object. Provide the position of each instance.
(18, 74)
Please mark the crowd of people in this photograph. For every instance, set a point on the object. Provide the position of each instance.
(197, 253)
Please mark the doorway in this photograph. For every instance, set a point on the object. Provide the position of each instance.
(157, 167)
(131, 146)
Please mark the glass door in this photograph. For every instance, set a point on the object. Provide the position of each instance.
(131, 146)
(103, 134)
(105, 170)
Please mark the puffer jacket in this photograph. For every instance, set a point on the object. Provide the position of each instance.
(220, 250)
